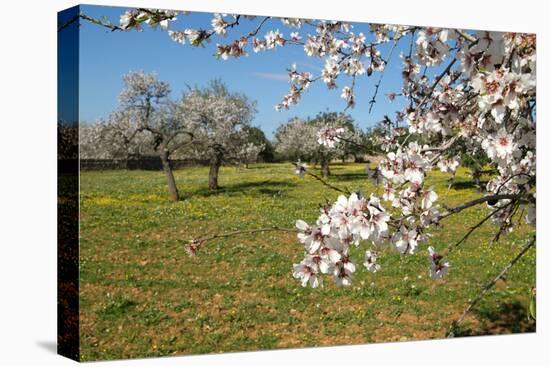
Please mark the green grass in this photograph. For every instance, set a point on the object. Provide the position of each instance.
(141, 295)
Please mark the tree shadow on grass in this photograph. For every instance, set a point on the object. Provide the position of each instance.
(254, 188)
(505, 318)
(351, 176)
(468, 185)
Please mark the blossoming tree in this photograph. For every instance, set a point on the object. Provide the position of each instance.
(311, 139)
(148, 122)
(459, 87)
(221, 118)
(146, 109)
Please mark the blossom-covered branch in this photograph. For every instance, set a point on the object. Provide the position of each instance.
(465, 93)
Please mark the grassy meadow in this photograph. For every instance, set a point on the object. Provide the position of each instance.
(142, 295)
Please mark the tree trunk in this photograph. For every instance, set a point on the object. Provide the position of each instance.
(215, 163)
(174, 195)
(325, 170)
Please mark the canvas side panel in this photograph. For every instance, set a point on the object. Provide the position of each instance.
(68, 184)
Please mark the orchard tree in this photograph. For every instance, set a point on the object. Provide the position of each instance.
(296, 140)
(249, 153)
(458, 87)
(114, 138)
(349, 139)
(221, 118)
(257, 137)
(148, 122)
(146, 115)
(145, 122)
(306, 140)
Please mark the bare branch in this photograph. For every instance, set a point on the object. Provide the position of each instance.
(373, 99)
(344, 191)
(479, 224)
(194, 244)
(488, 287)
(99, 22)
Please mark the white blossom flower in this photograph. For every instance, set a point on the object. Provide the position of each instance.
(343, 272)
(219, 25)
(438, 268)
(307, 272)
(312, 238)
(448, 165)
(347, 94)
(428, 198)
(300, 169)
(295, 36)
(329, 258)
(500, 145)
(370, 262)
(405, 240)
(273, 39)
(414, 169)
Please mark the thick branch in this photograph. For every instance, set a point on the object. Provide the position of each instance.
(478, 201)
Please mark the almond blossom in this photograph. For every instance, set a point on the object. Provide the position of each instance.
(370, 262)
(307, 272)
(438, 268)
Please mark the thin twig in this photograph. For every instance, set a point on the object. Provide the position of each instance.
(435, 83)
(377, 86)
(344, 191)
(68, 23)
(194, 244)
(488, 287)
(471, 230)
(108, 25)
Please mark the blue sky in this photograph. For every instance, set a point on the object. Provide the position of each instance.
(105, 56)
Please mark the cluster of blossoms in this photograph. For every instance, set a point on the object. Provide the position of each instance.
(349, 221)
(299, 82)
(133, 19)
(432, 46)
(191, 36)
(486, 106)
(499, 90)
